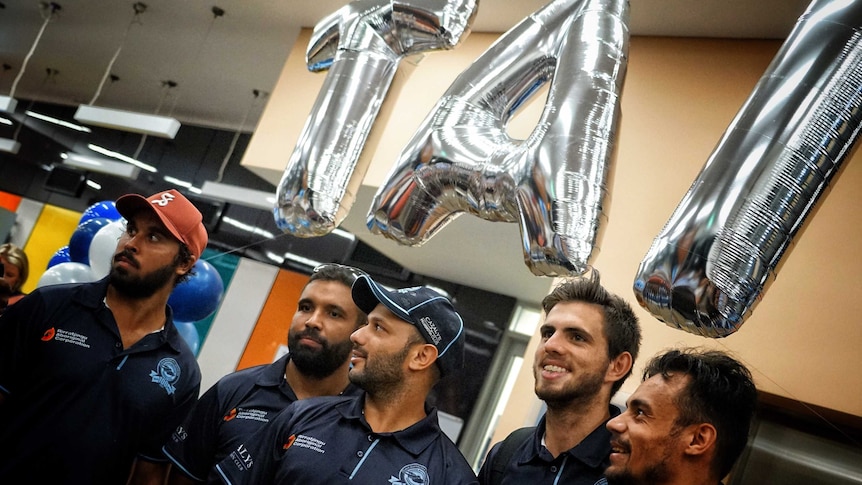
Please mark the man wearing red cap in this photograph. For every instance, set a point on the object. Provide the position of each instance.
(94, 376)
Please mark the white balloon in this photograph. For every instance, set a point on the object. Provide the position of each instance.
(103, 246)
(69, 272)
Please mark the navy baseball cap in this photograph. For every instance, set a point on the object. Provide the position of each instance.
(430, 312)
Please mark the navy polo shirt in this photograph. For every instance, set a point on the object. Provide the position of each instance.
(532, 463)
(327, 441)
(228, 413)
(79, 408)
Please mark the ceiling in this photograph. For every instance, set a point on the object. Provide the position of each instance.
(218, 60)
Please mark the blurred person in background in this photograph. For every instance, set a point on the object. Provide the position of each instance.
(16, 268)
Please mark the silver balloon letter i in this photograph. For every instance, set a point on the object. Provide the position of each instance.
(361, 44)
(715, 257)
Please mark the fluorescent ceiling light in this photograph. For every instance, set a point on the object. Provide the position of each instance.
(102, 165)
(248, 228)
(161, 126)
(9, 145)
(5, 121)
(51, 119)
(7, 104)
(94, 184)
(120, 156)
(257, 199)
(182, 183)
(303, 261)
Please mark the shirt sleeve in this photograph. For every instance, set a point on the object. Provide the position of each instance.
(485, 470)
(193, 444)
(257, 460)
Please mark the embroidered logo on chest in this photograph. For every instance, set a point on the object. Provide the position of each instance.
(66, 337)
(412, 474)
(167, 373)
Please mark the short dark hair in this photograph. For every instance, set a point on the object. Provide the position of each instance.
(621, 325)
(183, 255)
(720, 392)
(343, 274)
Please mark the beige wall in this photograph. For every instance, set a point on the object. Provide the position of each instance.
(680, 95)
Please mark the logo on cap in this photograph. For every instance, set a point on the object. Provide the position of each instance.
(433, 332)
(164, 200)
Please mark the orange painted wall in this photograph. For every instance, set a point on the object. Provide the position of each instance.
(9, 201)
(274, 321)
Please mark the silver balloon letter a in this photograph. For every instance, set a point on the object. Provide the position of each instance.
(553, 183)
(708, 267)
(361, 44)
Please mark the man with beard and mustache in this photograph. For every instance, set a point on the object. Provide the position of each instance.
(242, 402)
(687, 423)
(590, 339)
(388, 435)
(94, 376)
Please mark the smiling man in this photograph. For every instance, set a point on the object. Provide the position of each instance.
(686, 424)
(241, 403)
(94, 376)
(386, 436)
(590, 339)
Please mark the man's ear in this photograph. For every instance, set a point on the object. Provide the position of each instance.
(619, 367)
(423, 356)
(702, 439)
(186, 266)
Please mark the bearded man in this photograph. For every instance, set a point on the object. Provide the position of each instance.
(94, 376)
(241, 403)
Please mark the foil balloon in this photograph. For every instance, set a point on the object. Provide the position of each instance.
(361, 45)
(709, 266)
(554, 183)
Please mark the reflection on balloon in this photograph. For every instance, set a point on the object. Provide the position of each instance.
(555, 182)
(101, 210)
(718, 253)
(70, 272)
(199, 296)
(362, 45)
(60, 256)
(103, 246)
(79, 243)
(189, 332)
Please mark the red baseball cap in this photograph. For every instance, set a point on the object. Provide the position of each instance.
(178, 214)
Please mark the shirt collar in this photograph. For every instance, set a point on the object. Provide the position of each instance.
(413, 439)
(593, 450)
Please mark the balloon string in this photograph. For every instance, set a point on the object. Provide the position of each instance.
(225, 253)
(794, 397)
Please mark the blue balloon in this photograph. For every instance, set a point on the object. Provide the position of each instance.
(199, 296)
(105, 209)
(79, 243)
(190, 334)
(60, 256)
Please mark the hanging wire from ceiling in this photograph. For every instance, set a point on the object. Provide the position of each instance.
(167, 85)
(217, 13)
(139, 8)
(49, 11)
(258, 96)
